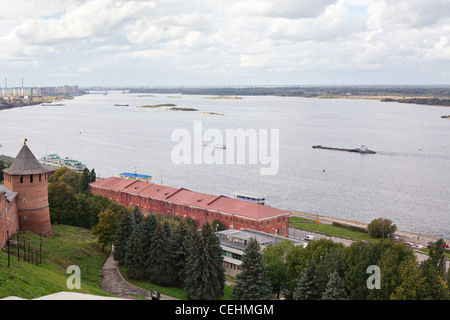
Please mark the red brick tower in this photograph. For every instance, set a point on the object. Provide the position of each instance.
(28, 178)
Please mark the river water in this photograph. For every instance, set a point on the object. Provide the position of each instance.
(407, 181)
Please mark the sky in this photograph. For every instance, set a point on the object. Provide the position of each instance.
(224, 43)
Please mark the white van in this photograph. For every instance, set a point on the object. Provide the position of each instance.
(309, 237)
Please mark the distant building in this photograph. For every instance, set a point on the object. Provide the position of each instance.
(136, 176)
(233, 243)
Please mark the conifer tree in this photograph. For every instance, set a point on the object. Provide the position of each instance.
(252, 282)
(132, 255)
(123, 234)
(159, 269)
(146, 230)
(305, 288)
(84, 181)
(92, 176)
(335, 288)
(179, 251)
(205, 275)
(137, 215)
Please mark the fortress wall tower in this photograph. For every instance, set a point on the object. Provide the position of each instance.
(28, 178)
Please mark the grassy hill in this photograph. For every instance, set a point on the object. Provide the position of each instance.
(67, 246)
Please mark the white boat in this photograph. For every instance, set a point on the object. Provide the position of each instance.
(56, 161)
(261, 199)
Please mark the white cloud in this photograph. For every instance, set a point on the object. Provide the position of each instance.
(216, 40)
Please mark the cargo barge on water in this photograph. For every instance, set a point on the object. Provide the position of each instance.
(362, 149)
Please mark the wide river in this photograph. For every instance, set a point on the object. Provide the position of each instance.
(407, 180)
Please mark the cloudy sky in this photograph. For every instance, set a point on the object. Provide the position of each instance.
(218, 42)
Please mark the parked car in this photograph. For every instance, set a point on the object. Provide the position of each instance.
(432, 242)
(309, 237)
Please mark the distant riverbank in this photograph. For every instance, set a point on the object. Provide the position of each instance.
(17, 103)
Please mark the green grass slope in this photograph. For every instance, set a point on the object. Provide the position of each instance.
(67, 246)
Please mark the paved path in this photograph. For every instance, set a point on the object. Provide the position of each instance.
(113, 282)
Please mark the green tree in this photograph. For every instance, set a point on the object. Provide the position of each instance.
(2, 167)
(84, 181)
(335, 288)
(62, 203)
(436, 256)
(217, 225)
(275, 264)
(252, 282)
(92, 176)
(179, 251)
(159, 269)
(124, 231)
(205, 275)
(137, 215)
(381, 228)
(435, 287)
(133, 253)
(106, 228)
(306, 288)
(411, 283)
(390, 259)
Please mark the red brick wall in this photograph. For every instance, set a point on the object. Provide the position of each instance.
(278, 226)
(32, 202)
(9, 220)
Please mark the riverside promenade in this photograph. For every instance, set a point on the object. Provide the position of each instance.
(412, 240)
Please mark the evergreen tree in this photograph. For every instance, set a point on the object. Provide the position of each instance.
(159, 269)
(335, 288)
(194, 264)
(132, 255)
(137, 215)
(120, 243)
(92, 176)
(84, 181)
(179, 251)
(252, 282)
(205, 275)
(146, 230)
(306, 288)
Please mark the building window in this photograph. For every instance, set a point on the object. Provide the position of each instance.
(31, 178)
(21, 179)
(39, 178)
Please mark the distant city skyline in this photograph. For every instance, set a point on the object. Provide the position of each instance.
(224, 43)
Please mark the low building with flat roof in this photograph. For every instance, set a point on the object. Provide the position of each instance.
(233, 243)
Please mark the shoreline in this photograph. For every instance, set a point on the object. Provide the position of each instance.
(410, 236)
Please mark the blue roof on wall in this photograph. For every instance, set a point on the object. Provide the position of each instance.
(134, 175)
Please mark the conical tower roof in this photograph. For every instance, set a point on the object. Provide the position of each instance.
(25, 163)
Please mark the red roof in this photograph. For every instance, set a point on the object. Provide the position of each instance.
(190, 198)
